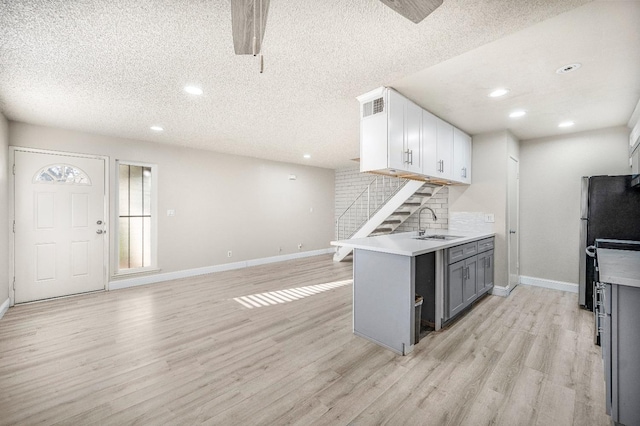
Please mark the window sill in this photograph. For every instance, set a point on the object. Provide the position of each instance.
(135, 272)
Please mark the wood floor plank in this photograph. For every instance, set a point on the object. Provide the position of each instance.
(185, 352)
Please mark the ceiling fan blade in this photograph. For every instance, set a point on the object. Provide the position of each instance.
(413, 10)
(248, 20)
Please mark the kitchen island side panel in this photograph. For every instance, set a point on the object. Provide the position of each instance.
(383, 295)
(625, 318)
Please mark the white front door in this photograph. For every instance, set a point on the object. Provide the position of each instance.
(59, 225)
(513, 214)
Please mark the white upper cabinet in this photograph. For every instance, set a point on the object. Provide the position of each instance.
(398, 136)
(437, 146)
(430, 161)
(413, 135)
(405, 119)
(461, 156)
(445, 149)
(396, 130)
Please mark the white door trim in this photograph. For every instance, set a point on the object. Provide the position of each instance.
(517, 242)
(12, 210)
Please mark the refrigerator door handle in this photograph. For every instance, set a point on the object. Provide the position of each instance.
(591, 251)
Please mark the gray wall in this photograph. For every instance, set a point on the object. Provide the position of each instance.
(222, 202)
(550, 172)
(4, 203)
(488, 190)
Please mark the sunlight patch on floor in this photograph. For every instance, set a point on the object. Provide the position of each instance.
(270, 298)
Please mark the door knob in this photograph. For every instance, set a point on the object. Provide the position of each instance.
(99, 231)
(99, 222)
(512, 231)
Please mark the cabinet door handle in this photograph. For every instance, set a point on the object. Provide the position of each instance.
(411, 154)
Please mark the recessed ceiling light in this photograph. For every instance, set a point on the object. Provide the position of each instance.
(498, 92)
(516, 114)
(568, 68)
(156, 128)
(193, 90)
(566, 124)
(307, 156)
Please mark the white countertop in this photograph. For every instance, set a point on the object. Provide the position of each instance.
(405, 243)
(619, 267)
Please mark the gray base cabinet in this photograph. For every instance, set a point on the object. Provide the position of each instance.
(469, 275)
(620, 342)
(455, 289)
(485, 272)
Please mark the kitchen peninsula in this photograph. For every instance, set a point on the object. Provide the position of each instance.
(450, 269)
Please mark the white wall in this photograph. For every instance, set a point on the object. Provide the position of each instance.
(222, 202)
(550, 173)
(488, 190)
(4, 205)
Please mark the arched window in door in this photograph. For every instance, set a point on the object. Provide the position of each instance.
(62, 173)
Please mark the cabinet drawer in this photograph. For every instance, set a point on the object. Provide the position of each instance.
(486, 244)
(462, 252)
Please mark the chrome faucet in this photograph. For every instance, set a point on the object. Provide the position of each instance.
(420, 230)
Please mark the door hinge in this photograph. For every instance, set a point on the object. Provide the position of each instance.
(14, 169)
(14, 284)
(14, 226)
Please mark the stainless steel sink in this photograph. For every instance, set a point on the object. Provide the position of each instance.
(438, 237)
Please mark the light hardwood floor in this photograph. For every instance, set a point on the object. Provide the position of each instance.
(184, 352)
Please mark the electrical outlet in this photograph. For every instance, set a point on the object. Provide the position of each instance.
(229, 253)
(300, 246)
(171, 212)
(489, 218)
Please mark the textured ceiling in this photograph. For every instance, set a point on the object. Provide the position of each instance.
(117, 67)
(603, 36)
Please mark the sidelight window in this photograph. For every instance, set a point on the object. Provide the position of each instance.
(136, 217)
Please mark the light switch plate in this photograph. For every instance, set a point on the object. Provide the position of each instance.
(489, 218)
(171, 212)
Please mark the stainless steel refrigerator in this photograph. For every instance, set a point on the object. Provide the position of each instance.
(610, 210)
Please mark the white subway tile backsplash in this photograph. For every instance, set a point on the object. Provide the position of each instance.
(469, 222)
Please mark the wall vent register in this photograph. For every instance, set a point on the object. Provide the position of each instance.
(373, 107)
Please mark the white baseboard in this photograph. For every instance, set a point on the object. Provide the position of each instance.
(554, 285)
(156, 278)
(4, 307)
(500, 291)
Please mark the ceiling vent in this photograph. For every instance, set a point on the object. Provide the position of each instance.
(373, 107)
(568, 68)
